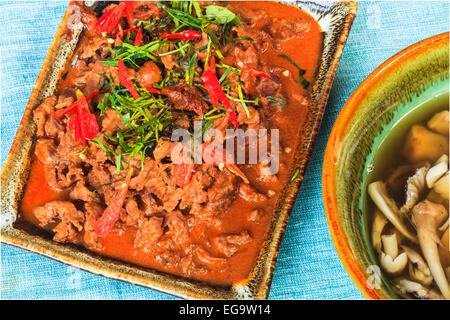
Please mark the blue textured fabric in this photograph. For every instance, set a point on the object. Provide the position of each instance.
(308, 266)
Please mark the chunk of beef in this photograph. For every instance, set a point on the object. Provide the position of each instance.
(95, 155)
(178, 228)
(149, 204)
(143, 10)
(268, 87)
(149, 233)
(111, 122)
(228, 245)
(196, 191)
(45, 151)
(96, 46)
(132, 214)
(68, 147)
(248, 55)
(65, 99)
(69, 220)
(163, 149)
(252, 121)
(43, 117)
(100, 175)
(247, 193)
(63, 175)
(93, 211)
(169, 61)
(93, 78)
(141, 179)
(249, 80)
(222, 193)
(186, 98)
(81, 192)
(148, 74)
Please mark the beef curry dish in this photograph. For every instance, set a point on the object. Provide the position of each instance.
(102, 177)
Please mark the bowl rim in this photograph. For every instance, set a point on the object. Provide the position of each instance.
(333, 148)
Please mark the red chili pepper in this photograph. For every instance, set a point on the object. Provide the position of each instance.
(233, 168)
(112, 213)
(183, 173)
(129, 8)
(58, 114)
(109, 21)
(139, 35)
(215, 91)
(186, 35)
(138, 39)
(125, 79)
(152, 90)
(82, 120)
(241, 65)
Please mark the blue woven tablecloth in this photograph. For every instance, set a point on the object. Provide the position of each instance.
(308, 266)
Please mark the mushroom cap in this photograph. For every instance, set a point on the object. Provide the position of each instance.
(394, 266)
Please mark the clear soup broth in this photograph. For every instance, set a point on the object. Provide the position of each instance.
(407, 182)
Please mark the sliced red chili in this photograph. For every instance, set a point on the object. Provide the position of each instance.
(186, 35)
(112, 213)
(93, 94)
(137, 39)
(58, 114)
(183, 173)
(215, 91)
(110, 19)
(82, 120)
(125, 79)
(85, 120)
(129, 8)
(152, 90)
(217, 160)
(244, 67)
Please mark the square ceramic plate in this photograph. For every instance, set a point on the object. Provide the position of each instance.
(335, 19)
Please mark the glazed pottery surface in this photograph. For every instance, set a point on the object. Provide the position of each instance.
(404, 90)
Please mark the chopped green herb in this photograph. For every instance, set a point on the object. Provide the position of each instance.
(280, 101)
(81, 152)
(301, 72)
(222, 15)
(295, 175)
(241, 96)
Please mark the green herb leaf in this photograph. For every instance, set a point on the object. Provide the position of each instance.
(277, 100)
(222, 15)
(301, 72)
(295, 175)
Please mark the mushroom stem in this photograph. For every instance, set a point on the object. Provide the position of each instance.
(418, 269)
(427, 216)
(414, 185)
(378, 193)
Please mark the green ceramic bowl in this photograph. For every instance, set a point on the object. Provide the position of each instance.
(406, 89)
